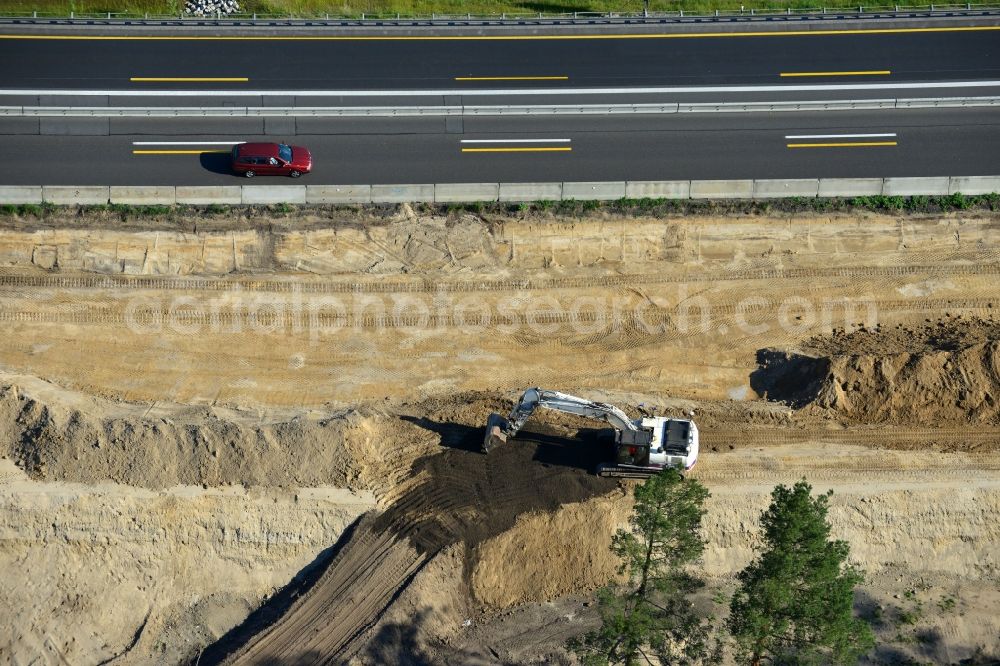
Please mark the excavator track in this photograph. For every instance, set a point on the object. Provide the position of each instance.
(621, 472)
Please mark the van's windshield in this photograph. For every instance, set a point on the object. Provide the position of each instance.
(285, 152)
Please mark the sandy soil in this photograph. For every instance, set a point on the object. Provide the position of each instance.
(163, 389)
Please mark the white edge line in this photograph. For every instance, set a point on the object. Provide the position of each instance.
(837, 136)
(186, 143)
(515, 140)
(507, 91)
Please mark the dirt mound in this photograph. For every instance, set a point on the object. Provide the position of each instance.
(93, 441)
(947, 371)
(549, 555)
(922, 388)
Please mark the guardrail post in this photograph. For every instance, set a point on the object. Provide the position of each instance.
(34, 14)
(71, 14)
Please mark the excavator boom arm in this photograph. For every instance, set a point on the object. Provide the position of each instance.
(498, 429)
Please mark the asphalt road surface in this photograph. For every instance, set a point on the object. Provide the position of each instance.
(925, 142)
(640, 60)
(740, 67)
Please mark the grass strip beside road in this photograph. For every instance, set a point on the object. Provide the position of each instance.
(419, 8)
(658, 208)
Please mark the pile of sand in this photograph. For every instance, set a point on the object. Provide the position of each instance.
(925, 388)
(66, 438)
(945, 372)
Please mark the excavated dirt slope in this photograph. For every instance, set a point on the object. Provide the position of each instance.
(257, 440)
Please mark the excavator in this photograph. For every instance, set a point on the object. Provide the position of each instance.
(644, 446)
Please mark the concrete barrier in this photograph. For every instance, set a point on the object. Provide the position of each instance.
(338, 194)
(508, 192)
(402, 193)
(531, 191)
(721, 189)
(209, 194)
(466, 192)
(850, 187)
(903, 187)
(599, 191)
(143, 195)
(70, 195)
(658, 189)
(792, 187)
(274, 194)
(974, 184)
(20, 194)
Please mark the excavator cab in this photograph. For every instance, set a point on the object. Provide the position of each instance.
(632, 447)
(632, 454)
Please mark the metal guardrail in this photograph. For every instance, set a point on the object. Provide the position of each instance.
(512, 110)
(858, 11)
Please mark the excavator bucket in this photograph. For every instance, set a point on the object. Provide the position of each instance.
(495, 435)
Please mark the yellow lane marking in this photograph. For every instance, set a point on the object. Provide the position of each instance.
(516, 150)
(512, 78)
(176, 152)
(190, 79)
(456, 38)
(856, 144)
(874, 72)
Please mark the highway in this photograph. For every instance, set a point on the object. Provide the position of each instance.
(380, 64)
(138, 70)
(926, 142)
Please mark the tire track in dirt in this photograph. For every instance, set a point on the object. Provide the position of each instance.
(236, 320)
(157, 283)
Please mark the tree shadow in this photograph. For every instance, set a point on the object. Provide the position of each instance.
(787, 377)
(217, 163)
(401, 644)
(398, 643)
(274, 608)
(869, 609)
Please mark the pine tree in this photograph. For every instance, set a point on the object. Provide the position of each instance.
(795, 601)
(650, 617)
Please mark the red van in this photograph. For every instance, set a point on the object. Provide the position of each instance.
(271, 159)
